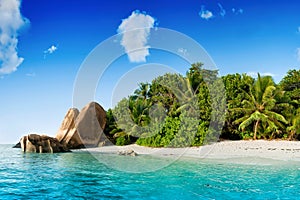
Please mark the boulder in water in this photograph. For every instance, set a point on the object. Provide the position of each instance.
(78, 130)
(34, 143)
(18, 145)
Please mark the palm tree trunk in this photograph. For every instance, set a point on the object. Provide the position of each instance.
(291, 137)
(255, 129)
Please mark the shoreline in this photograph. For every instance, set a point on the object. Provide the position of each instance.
(262, 149)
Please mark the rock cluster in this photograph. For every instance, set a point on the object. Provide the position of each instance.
(78, 130)
(84, 128)
(34, 143)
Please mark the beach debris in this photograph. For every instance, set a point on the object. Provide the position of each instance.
(128, 152)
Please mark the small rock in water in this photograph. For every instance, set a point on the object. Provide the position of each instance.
(17, 145)
(128, 152)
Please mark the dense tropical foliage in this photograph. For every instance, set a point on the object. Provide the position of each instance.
(177, 111)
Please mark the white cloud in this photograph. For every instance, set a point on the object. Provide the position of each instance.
(268, 74)
(31, 74)
(11, 21)
(237, 11)
(135, 31)
(182, 51)
(254, 74)
(298, 54)
(51, 49)
(222, 10)
(205, 14)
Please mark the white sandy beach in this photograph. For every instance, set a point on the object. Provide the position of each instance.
(277, 150)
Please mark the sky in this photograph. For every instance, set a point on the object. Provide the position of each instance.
(45, 47)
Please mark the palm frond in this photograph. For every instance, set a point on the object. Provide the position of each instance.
(246, 122)
(275, 116)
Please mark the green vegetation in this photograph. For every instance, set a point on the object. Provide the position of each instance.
(199, 108)
(258, 109)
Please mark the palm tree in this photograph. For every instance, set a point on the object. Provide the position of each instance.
(139, 110)
(258, 107)
(143, 91)
(295, 125)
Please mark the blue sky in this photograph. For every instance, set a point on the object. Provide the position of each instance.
(44, 43)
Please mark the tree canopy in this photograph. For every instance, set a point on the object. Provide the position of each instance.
(178, 111)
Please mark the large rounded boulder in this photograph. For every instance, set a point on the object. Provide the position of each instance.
(67, 133)
(90, 124)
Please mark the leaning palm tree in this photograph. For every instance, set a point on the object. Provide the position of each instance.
(294, 129)
(258, 107)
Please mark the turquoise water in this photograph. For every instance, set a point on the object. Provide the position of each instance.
(81, 176)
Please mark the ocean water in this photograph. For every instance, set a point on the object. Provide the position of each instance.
(80, 175)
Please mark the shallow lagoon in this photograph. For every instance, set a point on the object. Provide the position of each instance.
(81, 176)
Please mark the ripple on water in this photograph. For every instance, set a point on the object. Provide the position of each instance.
(81, 176)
